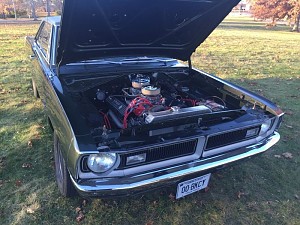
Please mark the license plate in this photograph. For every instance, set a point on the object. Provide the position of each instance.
(190, 186)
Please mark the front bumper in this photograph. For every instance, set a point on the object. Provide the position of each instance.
(135, 184)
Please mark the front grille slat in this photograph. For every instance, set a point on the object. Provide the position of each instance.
(160, 153)
(231, 137)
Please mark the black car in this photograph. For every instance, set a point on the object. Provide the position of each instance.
(127, 116)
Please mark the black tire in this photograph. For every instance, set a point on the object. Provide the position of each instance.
(62, 175)
(34, 89)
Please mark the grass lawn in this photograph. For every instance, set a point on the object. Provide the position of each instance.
(264, 190)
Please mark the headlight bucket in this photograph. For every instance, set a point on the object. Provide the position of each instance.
(266, 125)
(101, 162)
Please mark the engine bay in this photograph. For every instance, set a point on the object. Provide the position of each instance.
(137, 108)
(139, 99)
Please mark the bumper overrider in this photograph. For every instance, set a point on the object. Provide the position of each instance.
(138, 183)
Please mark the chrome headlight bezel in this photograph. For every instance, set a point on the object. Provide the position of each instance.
(102, 162)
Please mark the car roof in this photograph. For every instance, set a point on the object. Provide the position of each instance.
(54, 20)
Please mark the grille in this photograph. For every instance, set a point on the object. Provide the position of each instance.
(160, 153)
(229, 137)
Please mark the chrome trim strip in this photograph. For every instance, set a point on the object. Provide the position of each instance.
(114, 186)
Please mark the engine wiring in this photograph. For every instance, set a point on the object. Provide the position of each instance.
(136, 105)
(192, 101)
(106, 120)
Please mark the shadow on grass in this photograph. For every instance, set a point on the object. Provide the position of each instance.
(255, 26)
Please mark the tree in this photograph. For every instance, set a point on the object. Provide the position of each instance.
(295, 14)
(277, 9)
(271, 9)
(32, 6)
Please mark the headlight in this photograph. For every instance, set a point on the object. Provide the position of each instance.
(101, 162)
(265, 126)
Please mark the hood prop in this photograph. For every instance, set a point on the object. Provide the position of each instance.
(190, 65)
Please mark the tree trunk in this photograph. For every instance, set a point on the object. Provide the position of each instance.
(48, 7)
(15, 11)
(33, 14)
(273, 21)
(297, 23)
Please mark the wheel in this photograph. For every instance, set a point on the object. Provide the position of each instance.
(62, 175)
(34, 88)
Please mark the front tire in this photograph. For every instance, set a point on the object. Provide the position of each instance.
(62, 175)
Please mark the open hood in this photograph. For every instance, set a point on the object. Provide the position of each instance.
(166, 28)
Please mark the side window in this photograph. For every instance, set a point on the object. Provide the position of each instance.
(43, 39)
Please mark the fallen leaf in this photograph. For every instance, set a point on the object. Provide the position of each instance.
(287, 155)
(18, 183)
(27, 165)
(219, 175)
(150, 222)
(80, 216)
(296, 196)
(29, 144)
(29, 210)
(115, 203)
(288, 126)
(240, 194)
(277, 156)
(84, 202)
(78, 209)
(253, 83)
(172, 197)
(37, 136)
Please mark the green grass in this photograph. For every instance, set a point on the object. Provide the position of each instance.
(240, 50)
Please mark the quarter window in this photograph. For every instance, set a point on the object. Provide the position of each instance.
(43, 39)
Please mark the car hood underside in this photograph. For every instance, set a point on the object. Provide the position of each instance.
(168, 28)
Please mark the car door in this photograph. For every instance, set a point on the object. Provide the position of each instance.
(42, 49)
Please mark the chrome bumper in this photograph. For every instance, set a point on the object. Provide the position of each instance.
(134, 184)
